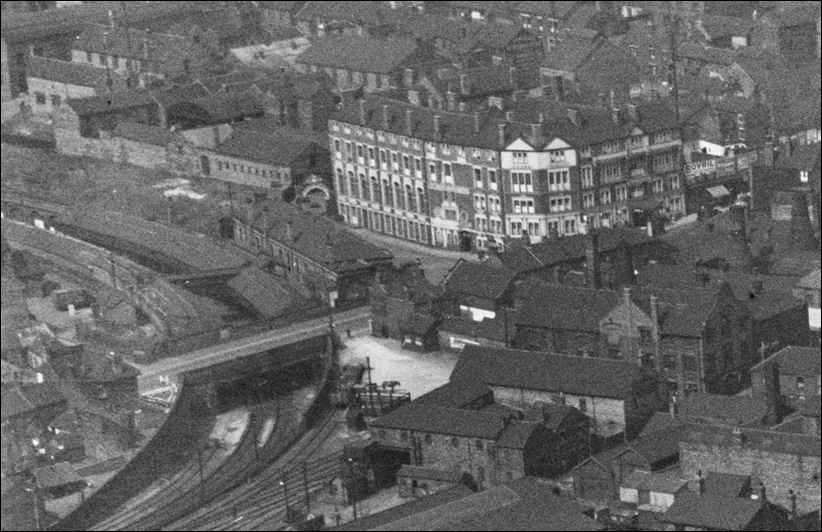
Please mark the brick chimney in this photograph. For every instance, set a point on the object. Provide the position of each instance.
(408, 78)
(476, 122)
(802, 233)
(737, 438)
(592, 273)
(792, 498)
(501, 135)
(385, 120)
(512, 80)
(464, 88)
(361, 109)
(738, 216)
(452, 100)
(697, 485)
(541, 117)
(654, 301)
(759, 493)
(631, 110)
(436, 119)
(773, 395)
(289, 231)
(409, 130)
(673, 407)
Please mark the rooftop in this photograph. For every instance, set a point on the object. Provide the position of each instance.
(155, 135)
(444, 420)
(358, 54)
(67, 72)
(516, 434)
(267, 294)
(534, 370)
(428, 473)
(763, 441)
(793, 360)
(56, 475)
(279, 146)
(712, 511)
(478, 279)
(455, 395)
(20, 400)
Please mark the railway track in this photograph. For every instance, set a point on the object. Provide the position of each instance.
(243, 500)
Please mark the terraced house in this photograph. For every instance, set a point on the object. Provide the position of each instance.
(472, 179)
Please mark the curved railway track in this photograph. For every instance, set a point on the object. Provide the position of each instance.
(247, 499)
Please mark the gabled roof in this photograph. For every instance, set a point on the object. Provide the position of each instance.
(279, 146)
(570, 52)
(418, 324)
(666, 482)
(811, 281)
(56, 475)
(223, 107)
(514, 368)
(725, 409)
(727, 484)
(712, 511)
(266, 293)
(802, 157)
(19, 400)
(359, 54)
(478, 279)
(67, 72)
(765, 441)
(428, 473)
(793, 360)
(144, 133)
(490, 329)
(113, 101)
(516, 434)
(706, 54)
(444, 420)
(724, 26)
(317, 238)
(183, 93)
(129, 42)
(455, 395)
(656, 448)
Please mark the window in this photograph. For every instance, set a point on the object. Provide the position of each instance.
(621, 193)
(583, 405)
(492, 179)
(800, 382)
(115, 61)
(611, 147)
(611, 171)
(479, 202)
(663, 160)
(560, 204)
(455, 442)
(675, 182)
(55, 100)
(559, 181)
(337, 147)
(406, 163)
(585, 152)
(523, 206)
(478, 177)
(557, 156)
(383, 157)
(493, 204)
(381, 434)
(533, 228)
(521, 182)
(587, 176)
(446, 172)
(371, 154)
(657, 186)
(570, 227)
(428, 439)
(605, 197)
(88, 57)
(404, 435)
(40, 98)
(588, 200)
(418, 164)
(665, 136)
(516, 228)
(520, 157)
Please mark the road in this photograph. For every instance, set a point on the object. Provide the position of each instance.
(250, 345)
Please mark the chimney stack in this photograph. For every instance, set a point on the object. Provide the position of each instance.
(512, 78)
(408, 78)
(697, 485)
(760, 494)
(737, 438)
(626, 295)
(476, 122)
(773, 395)
(655, 331)
(541, 117)
(289, 231)
(437, 127)
(111, 18)
(615, 115)
(612, 99)
(592, 274)
(385, 121)
(738, 222)
(409, 130)
(632, 112)
(792, 498)
(501, 135)
(649, 228)
(361, 109)
(535, 131)
(509, 115)
(802, 232)
(573, 116)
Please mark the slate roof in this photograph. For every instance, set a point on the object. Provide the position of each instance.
(182, 93)
(266, 293)
(516, 434)
(514, 368)
(726, 409)
(113, 101)
(570, 52)
(19, 400)
(765, 295)
(802, 157)
(706, 54)
(667, 482)
(656, 448)
(144, 133)
(444, 420)
(429, 473)
(571, 248)
(275, 146)
(359, 54)
(67, 72)
(723, 26)
(811, 406)
(317, 238)
(761, 440)
(491, 329)
(418, 324)
(812, 281)
(793, 360)
(727, 484)
(478, 279)
(553, 415)
(225, 107)
(454, 395)
(128, 42)
(712, 511)
(196, 252)
(366, 13)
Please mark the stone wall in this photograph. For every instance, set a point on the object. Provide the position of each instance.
(778, 469)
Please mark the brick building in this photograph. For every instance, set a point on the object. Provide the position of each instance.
(782, 461)
(698, 339)
(798, 373)
(808, 290)
(396, 296)
(618, 396)
(50, 81)
(333, 264)
(466, 179)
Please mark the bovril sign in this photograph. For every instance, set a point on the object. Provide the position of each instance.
(699, 168)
